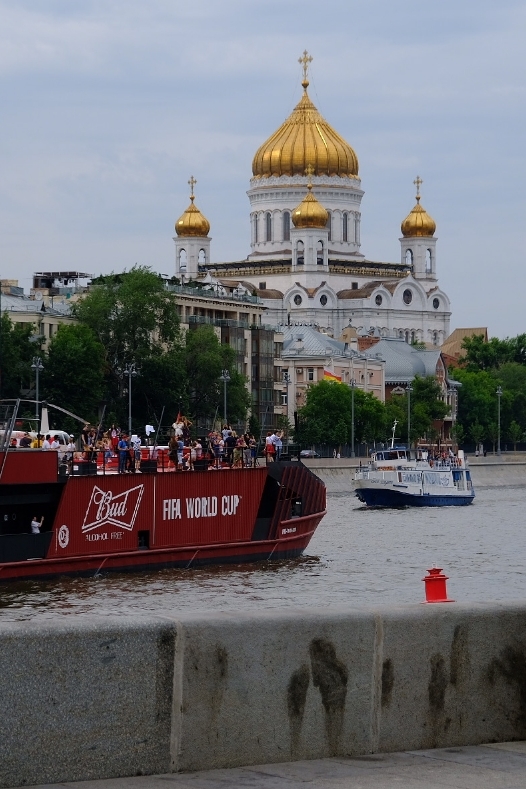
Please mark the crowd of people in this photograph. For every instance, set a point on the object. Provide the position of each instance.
(220, 449)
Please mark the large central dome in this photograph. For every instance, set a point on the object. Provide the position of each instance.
(305, 139)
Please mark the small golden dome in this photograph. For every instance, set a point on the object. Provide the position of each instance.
(310, 212)
(418, 223)
(192, 222)
(304, 139)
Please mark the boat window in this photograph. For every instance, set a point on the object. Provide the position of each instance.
(296, 508)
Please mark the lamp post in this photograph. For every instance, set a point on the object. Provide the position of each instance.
(287, 380)
(452, 401)
(409, 389)
(499, 395)
(225, 377)
(37, 366)
(131, 371)
(352, 384)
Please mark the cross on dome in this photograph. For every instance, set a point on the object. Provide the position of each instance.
(418, 183)
(304, 60)
(192, 182)
(309, 172)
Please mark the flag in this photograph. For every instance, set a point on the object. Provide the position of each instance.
(330, 376)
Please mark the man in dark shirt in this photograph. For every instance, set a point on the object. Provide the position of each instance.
(230, 443)
(25, 441)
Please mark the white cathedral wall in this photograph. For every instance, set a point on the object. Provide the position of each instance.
(276, 195)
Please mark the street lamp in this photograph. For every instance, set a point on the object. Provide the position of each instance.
(225, 377)
(453, 403)
(37, 366)
(499, 395)
(131, 371)
(352, 384)
(409, 389)
(287, 380)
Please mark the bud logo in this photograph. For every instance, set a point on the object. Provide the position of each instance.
(105, 509)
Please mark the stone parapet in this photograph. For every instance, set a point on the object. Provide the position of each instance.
(87, 698)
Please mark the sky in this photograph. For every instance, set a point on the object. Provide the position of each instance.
(109, 106)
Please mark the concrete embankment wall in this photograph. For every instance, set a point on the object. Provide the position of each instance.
(92, 698)
(486, 472)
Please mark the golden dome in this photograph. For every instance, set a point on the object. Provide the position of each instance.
(418, 223)
(192, 222)
(310, 212)
(305, 139)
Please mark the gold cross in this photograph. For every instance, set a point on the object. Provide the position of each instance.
(192, 182)
(304, 61)
(309, 172)
(418, 182)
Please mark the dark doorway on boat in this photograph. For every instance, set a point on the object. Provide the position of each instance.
(144, 540)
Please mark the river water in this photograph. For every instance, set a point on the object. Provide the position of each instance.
(357, 556)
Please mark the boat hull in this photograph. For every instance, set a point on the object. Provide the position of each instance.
(385, 497)
(136, 522)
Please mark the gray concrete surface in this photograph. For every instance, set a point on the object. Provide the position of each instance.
(498, 766)
(90, 698)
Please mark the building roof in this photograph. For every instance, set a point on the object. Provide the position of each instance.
(452, 346)
(24, 304)
(403, 361)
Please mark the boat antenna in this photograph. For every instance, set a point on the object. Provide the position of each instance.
(393, 436)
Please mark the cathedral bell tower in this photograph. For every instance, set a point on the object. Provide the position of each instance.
(192, 244)
(310, 236)
(418, 242)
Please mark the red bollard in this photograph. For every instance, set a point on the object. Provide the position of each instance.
(436, 591)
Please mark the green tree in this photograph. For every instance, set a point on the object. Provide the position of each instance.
(73, 375)
(135, 318)
(326, 417)
(458, 434)
(477, 432)
(17, 352)
(426, 406)
(515, 433)
(492, 433)
(205, 358)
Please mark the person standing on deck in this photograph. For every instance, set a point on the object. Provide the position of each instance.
(123, 448)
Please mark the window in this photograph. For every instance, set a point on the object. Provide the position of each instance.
(268, 227)
(409, 257)
(201, 259)
(262, 285)
(436, 304)
(310, 373)
(300, 253)
(408, 296)
(378, 300)
(345, 229)
(255, 228)
(354, 286)
(429, 262)
(319, 253)
(329, 225)
(182, 260)
(323, 300)
(286, 226)
(297, 300)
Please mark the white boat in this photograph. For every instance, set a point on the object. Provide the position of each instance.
(393, 478)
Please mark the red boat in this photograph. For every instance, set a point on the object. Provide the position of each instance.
(109, 521)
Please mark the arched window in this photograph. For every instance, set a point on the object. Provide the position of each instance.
(300, 253)
(407, 337)
(429, 261)
(182, 260)
(357, 228)
(201, 259)
(286, 226)
(319, 253)
(345, 232)
(409, 257)
(268, 227)
(255, 228)
(329, 225)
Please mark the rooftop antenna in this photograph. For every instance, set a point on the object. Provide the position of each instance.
(393, 436)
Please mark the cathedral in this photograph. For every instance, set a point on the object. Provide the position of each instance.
(305, 263)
